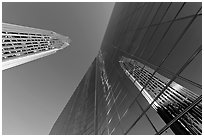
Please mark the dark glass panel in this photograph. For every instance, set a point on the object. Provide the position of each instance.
(194, 70)
(118, 131)
(125, 104)
(169, 40)
(144, 42)
(105, 132)
(152, 14)
(142, 127)
(130, 116)
(144, 14)
(172, 11)
(168, 132)
(113, 123)
(155, 40)
(143, 101)
(190, 8)
(162, 10)
(190, 42)
(155, 118)
(137, 41)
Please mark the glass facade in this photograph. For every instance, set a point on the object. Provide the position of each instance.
(146, 78)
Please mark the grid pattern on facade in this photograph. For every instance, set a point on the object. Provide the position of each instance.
(157, 40)
(172, 102)
(15, 44)
(147, 75)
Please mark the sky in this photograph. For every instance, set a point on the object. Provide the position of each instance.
(34, 94)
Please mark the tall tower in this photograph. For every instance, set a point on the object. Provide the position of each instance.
(146, 78)
(22, 44)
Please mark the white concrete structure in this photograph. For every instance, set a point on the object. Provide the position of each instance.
(24, 44)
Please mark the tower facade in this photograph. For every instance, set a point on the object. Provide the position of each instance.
(146, 78)
(23, 44)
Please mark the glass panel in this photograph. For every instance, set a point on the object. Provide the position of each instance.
(146, 39)
(190, 8)
(137, 41)
(105, 132)
(143, 101)
(107, 95)
(193, 71)
(143, 15)
(91, 133)
(155, 40)
(118, 131)
(172, 11)
(102, 127)
(190, 42)
(117, 92)
(130, 116)
(142, 127)
(112, 111)
(172, 102)
(113, 123)
(200, 12)
(117, 87)
(188, 88)
(155, 118)
(194, 117)
(127, 39)
(168, 132)
(152, 13)
(120, 97)
(161, 12)
(125, 104)
(110, 102)
(190, 123)
(169, 40)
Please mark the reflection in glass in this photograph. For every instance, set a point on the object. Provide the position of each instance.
(171, 102)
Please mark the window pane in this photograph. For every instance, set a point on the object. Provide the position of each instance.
(172, 11)
(142, 127)
(120, 97)
(130, 116)
(118, 131)
(143, 101)
(190, 42)
(113, 123)
(146, 39)
(190, 8)
(125, 104)
(169, 40)
(155, 118)
(152, 13)
(143, 15)
(168, 132)
(127, 39)
(194, 70)
(137, 40)
(161, 12)
(155, 40)
(105, 132)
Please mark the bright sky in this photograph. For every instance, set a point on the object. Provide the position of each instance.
(34, 94)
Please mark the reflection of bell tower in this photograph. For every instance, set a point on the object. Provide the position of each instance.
(23, 44)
